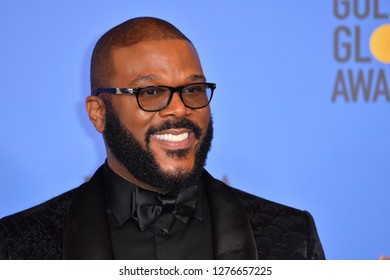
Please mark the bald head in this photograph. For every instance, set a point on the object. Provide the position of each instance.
(127, 34)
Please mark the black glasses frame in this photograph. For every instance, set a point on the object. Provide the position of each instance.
(136, 91)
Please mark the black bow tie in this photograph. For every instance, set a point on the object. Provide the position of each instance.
(147, 206)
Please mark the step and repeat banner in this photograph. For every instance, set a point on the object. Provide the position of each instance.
(301, 110)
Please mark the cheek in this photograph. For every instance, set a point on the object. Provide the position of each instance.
(138, 124)
(204, 119)
(136, 121)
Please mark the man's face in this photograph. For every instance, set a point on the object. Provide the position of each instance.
(173, 137)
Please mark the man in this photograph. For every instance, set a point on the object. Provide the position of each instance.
(152, 199)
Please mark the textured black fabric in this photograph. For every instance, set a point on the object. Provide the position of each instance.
(35, 233)
(280, 232)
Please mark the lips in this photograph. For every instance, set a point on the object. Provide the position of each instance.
(172, 137)
(175, 128)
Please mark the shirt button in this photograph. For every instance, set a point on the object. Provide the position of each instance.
(164, 231)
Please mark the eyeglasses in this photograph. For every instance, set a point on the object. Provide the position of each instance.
(157, 98)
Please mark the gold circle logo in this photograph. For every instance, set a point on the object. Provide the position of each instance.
(380, 43)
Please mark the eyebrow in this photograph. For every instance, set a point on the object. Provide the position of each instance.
(150, 77)
(197, 77)
(154, 77)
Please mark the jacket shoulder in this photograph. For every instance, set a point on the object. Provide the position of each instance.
(253, 204)
(281, 231)
(35, 233)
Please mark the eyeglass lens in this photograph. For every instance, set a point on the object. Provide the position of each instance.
(156, 98)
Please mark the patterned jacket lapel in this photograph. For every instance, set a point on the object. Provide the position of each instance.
(233, 236)
(86, 233)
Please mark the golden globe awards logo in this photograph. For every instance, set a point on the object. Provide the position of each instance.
(364, 83)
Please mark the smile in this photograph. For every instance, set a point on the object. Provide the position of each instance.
(172, 137)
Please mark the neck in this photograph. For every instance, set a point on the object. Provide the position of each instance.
(122, 171)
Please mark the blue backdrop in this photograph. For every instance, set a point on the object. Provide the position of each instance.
(301, 109)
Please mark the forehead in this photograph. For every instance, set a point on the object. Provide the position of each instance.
(167, 59)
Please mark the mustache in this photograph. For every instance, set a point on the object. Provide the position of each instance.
(170, 124)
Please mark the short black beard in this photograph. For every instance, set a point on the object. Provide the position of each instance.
(141, 163)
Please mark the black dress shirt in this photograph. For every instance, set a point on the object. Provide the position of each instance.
(165, 238)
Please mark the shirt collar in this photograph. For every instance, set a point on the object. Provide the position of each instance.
(118, 192)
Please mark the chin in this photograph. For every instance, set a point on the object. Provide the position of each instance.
(176, 170)
(172, 164)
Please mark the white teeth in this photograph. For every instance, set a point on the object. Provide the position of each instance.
(171, 137)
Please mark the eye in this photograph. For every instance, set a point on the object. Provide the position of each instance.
(194, 89)
(152, 92)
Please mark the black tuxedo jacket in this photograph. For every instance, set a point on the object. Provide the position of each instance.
(74, 226)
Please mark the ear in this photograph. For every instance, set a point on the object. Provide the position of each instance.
(96, 112)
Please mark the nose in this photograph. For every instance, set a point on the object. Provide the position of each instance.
(175, 108)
